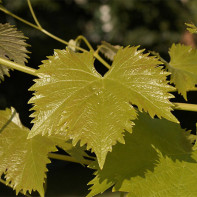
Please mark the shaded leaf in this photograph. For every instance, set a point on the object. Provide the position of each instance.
(191, 28)
(77, 152)
(12, 47)
(156, 160)
(183, 66)
(73, 98)
(109, 50)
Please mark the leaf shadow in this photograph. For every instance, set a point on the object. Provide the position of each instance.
(142, 149)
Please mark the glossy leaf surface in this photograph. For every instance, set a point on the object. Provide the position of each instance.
(183, 66)
(23, 161)
(156, 160)
(73, 98)
(12, 47)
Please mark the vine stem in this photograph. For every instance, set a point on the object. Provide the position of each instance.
(33, 14)
(39, 27)
(4, 182)
(185, 107)
(18, 67)
(85, 41)
(67, 158)
(98, 57)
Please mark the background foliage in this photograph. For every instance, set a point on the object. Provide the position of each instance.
(154, 24)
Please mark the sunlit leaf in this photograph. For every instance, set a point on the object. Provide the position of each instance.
(183, 66)
(156, 160)
(12, 47)
(22, 160)
(72, 97)
(191, 28)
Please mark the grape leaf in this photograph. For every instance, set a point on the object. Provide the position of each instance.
(22, 160)
(12, 47)
(156, 160)
(109, 50)
(191, 28)
(183, 66)
(72, 97)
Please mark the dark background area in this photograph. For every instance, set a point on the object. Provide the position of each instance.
(153, 24)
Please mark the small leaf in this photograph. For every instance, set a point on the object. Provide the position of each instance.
(183, 66)
(12, 47)
(73, 98)
(109, 50)
(156, 160)
(191, 28)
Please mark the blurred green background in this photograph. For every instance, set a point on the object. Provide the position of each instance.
(153, 24)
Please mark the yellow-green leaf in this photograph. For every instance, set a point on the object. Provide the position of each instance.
(12, 47)
(156, 161)
(183, 66)
(22, 160)
(191, 28)
(72, 97)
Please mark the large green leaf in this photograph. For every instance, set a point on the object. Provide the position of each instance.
(22, 160)
(156, 160)
(12, 47)
(72, 97)
(183, 66)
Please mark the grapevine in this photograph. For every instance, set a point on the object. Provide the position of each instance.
(124, 117)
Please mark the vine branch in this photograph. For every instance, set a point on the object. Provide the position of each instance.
(18, 67)
(39, 27)
(33, 14)
(98, 57)
(185, 107)
(85, 41)
(8, 122)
